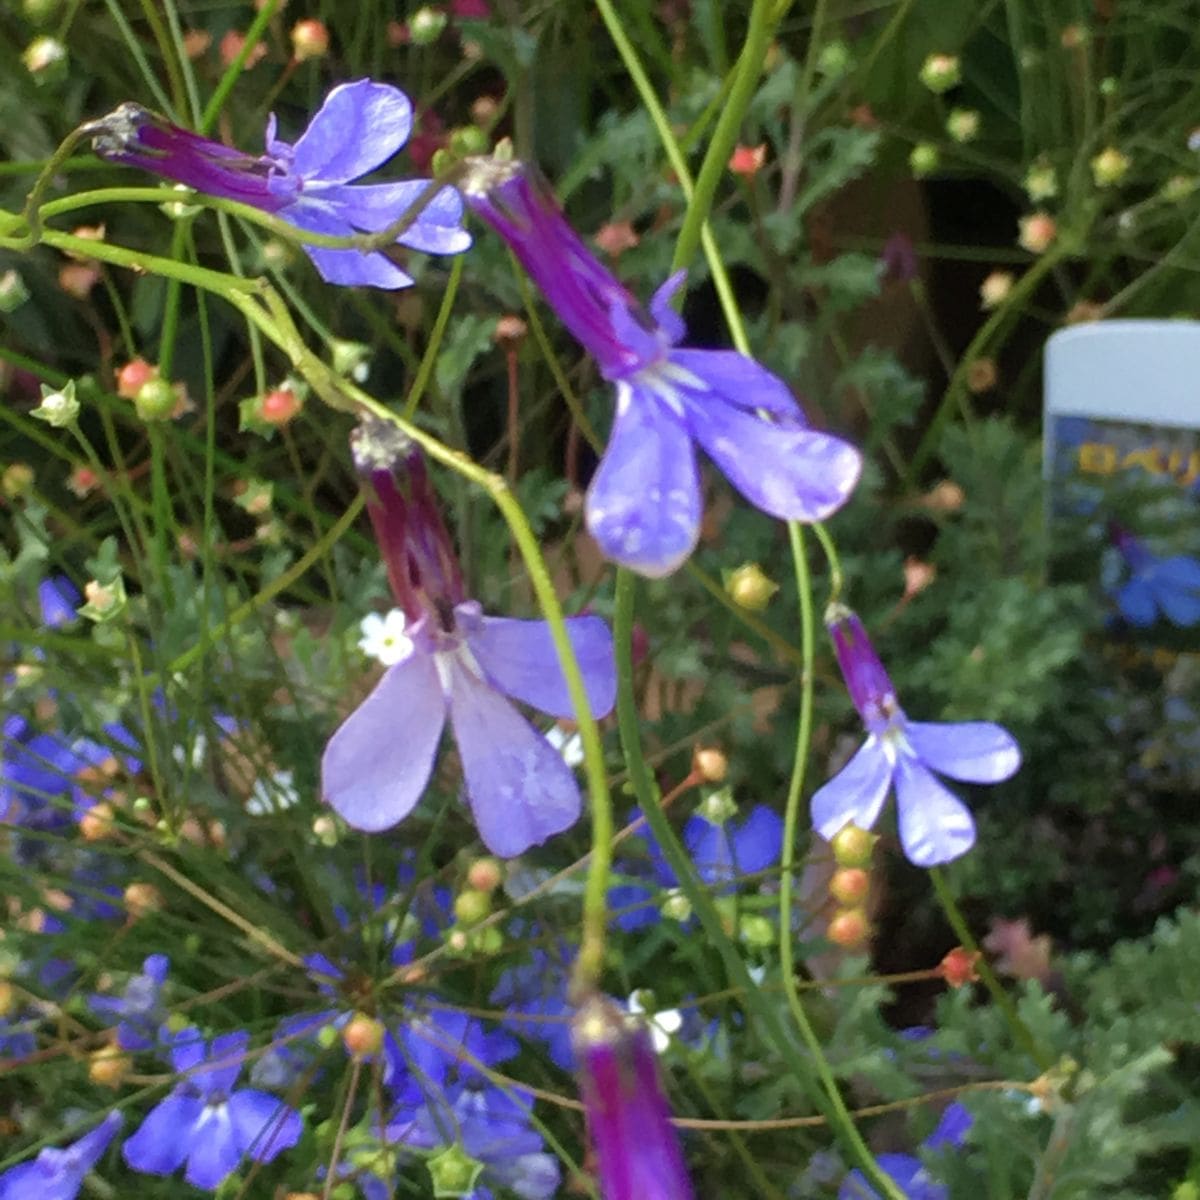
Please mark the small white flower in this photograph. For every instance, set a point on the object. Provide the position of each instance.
(383, 638)
(661, 1024)
(272, 795)
(569, 745)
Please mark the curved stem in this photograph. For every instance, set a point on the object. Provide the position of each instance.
(429, 360)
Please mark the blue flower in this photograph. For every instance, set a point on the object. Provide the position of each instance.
(1166, 587)
(935, 826)
(58, 1174)
(139, 1009)
(537, 991)
(309, 182)
(205, 1122)
(445, 659)
(906, 1171)
(644, 503)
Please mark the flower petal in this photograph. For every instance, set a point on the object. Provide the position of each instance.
(348, 268)
(359, 126)
(1137, 603)
(856, 793)
(214, 1153)
(740, 381)
(1176, 586)
(970, 751)
(263, 1125)
(789, 472)
(521, 792)
(163, 1140)
(377, 764)
(643, 506)
(372, 207)
(935, 825)
(519, 658)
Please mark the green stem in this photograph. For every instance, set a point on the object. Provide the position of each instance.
(811, 1070)
(429, 361)
(787, 968)
(1003, 1000)
(234, 71)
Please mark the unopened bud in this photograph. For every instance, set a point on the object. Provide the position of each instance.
(467, 140)
(924, 159)
(995, 289)
(18, 478)
(109, 1067)
(132, 376)
(45, 58)
(279, 407)
(155, 400)
(363, 1036)
(849, 886)
(351, 359)
(510, 332)
(142, 898)
(470, 907)
(1041, 181)
(963, 124)
(747, 161)
(710, 764)
(1109, 167)
(676, 907)
(941, 72)
(1037, 231)
(852, 846)
(485, 875)
(718, 806)
(958, 967)
(426, 26)
(77, 279)
(981, 376)
(310, 39)
(756, 931)
(40, 12)
(97, 823)
(750, 588)
(13, 292)
(848, 928)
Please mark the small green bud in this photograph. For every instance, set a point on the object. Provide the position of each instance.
(1177, 188)
(13, 292)
(963, 125)
(924, 159)
(351, 359)
(834, 59)
(676, 907)
(45, 58)
(718, 806)
(58, 407)
(469, 139)
(471, 906)
(1109, 167)
(453, 1172)
(941, 72)
(750, 588)
(155, 400)
(1041, 180)
(426, 26)
(40, 12)
(853, 847)
(756, 931)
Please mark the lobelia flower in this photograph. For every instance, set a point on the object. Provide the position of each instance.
(139, 1009)
(644, 503)
(935, 826)
(637, 1151)
(1167, 587)
(445, 659)
(907, 1171)
(307, 183)
(205, 1122)
(58, 1174)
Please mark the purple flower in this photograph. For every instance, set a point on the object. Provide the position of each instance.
(537, 990)
(935, 826)
(644, 502)
(58, 599)
(906, 1171)
(308, 183)
(1167, 587)
(637, 1150)
(139, 1009)
(207, 1124)
(445, 659)
(58, 1174)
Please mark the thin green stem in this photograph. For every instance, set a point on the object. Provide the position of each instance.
(1003, 1000)
(234, 71)
(836, 579)
(429, 361)
(810, 1069)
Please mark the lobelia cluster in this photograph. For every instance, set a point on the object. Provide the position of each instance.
(445, 661)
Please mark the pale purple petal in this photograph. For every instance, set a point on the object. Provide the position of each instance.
(519, 658)
(935, 825)
(520, 790)
(372, 207)
(741, 381)
(856, 793)
(187, 1049)
(350, 268)
(360, 126)
(661, 309)
(163, 1139)
(643, 506)
(970, 751)
(796, 474)
(377, 764)
(263, 1125)
(227, 1054)
(214, 1154)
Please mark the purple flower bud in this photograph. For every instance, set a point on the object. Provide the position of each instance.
(867, 681)
(637, 1149)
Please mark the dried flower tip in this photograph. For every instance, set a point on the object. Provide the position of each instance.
(310, 39)
(918, 575)
(196, 43)
(77, 279)
(853, 847)
(378, 445)
(1037, 231)
(615, 237)
(710, 764)
(510, 332)
(958, 967)
(940, 72)
(850, 886)
(981, 375)
(848, 928)
(108, 1067)
(231, 47)
(143, 898)
(97, 823)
